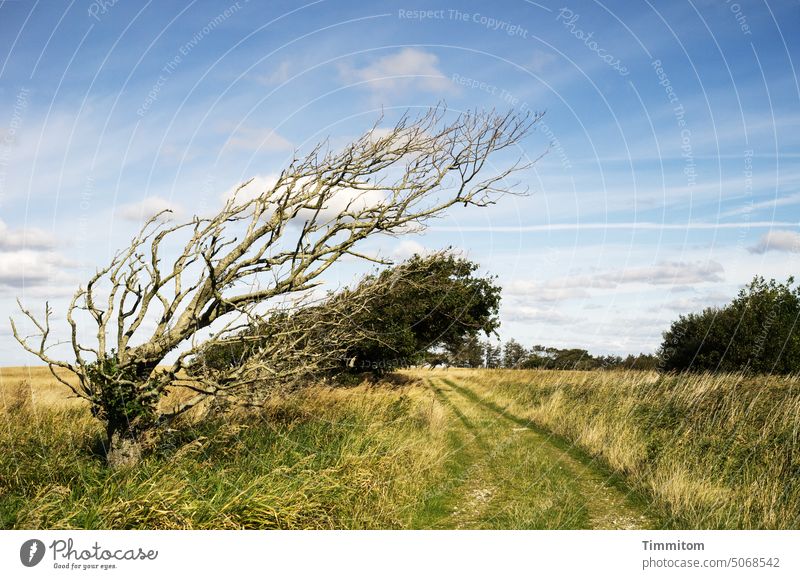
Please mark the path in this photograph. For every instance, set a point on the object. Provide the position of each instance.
(506, 473)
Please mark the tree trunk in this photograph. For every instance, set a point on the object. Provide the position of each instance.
(124, 449)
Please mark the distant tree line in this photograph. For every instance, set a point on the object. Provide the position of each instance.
(475, 353)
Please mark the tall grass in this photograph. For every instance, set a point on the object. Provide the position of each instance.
(355, 458)
(713, 451)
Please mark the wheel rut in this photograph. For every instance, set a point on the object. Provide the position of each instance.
(513, 474)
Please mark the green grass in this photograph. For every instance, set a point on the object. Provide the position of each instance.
(358, 458)
(455, 449)
(520, 477)
(708, 451)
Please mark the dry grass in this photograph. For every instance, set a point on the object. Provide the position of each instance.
(33, 386)
(713, 451)
(348, 458)
(710, 451)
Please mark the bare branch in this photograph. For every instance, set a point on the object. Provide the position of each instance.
(257, 250)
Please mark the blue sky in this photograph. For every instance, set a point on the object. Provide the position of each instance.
(672, 176)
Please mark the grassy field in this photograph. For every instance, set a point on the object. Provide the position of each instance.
(448, 449)
(710, 451)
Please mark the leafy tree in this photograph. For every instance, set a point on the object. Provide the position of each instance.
(537, 357)
(431, 303)
(757, 332)
(572, 359)
(608, 362)
(514, 354)
(492, 355)
(640, 362)
(466, 353)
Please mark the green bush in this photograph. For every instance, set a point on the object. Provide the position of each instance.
(121, 398)
(757, 332)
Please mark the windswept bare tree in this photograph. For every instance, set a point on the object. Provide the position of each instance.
(237, 265)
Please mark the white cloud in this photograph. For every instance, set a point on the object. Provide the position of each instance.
(680, 289)
(30, 238)
(263, 140)
(664, 273)
(27, 268)
(551, 290)
(59, 151)
(670, 273)
(343, 200)
(147, 208)
(560, 294)
(534, 314)
(172, 154)
(281, 74)
(787, 241)
(257, 186)
(792, 199)
(27, 261)
(697, 303)
(410, 68)
(407, 248)
(541, 60)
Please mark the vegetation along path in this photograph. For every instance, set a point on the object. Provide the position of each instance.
(507, 473)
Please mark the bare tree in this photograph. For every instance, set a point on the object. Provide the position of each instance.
(256, 251)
